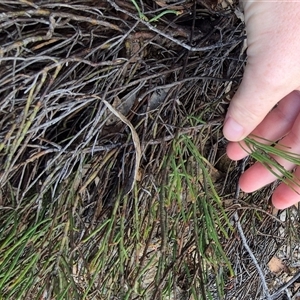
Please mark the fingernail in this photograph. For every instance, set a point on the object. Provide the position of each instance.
(232, 130)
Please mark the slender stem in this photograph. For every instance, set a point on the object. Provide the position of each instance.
(244, 240)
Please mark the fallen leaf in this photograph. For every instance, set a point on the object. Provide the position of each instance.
(275, 211)
(136, 142)
(276, 265)
(225, 3)
(296, 286)
(239, 14)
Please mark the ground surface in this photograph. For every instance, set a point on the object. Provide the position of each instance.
(114, 178)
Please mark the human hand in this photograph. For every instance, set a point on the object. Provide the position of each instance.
(272, 76)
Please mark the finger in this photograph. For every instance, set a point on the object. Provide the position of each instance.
(276, 124)
(258, 176)
(287, 195)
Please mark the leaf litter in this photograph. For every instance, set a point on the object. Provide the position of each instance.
(111, 155)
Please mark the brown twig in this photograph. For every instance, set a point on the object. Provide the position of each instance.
(245, 244)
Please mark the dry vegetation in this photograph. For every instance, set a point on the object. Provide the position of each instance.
(114, 183)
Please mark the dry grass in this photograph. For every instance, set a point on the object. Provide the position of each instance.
(135, 201)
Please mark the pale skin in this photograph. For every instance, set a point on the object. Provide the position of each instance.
(272, 76)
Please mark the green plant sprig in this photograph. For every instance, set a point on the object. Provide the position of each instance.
(156, 18)
(266, 154)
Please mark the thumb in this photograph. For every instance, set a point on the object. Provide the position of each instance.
(273, 66)
(258, 93)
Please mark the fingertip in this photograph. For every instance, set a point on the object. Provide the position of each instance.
(230, 151)
(287, 194)
(284, 197)
(235, 151)
(256, 177)
(247, 184)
